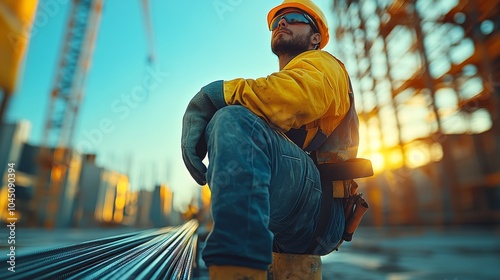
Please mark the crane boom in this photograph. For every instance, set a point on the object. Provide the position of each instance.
(149, 31)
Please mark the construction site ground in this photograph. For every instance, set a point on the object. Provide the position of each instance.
(452, 253)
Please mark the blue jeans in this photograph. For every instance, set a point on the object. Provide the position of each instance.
(264, 189)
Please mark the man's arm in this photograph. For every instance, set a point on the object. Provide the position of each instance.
(299, 94)
(196, 118)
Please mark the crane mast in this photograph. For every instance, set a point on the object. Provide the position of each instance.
(64, 103)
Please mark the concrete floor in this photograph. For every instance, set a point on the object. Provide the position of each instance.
(417, 253)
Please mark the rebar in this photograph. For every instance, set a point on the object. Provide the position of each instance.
(166, 253)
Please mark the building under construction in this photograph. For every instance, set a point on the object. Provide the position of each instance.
(426, 78)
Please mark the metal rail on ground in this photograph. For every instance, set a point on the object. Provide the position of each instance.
(166, 253)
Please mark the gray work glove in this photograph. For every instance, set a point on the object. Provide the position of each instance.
(198, 114)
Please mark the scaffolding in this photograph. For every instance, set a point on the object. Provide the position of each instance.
(426, 75)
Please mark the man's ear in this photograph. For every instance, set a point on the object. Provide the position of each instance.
(315, 39)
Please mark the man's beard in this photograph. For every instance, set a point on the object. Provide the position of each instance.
(292, 47)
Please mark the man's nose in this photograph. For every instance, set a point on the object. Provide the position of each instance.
(282, 22)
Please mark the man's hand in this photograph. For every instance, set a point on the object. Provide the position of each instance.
(198, 114)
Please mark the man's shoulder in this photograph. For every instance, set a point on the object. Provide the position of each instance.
(317, 53)
(319, 57)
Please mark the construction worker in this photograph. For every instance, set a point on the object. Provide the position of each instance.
(262, 137)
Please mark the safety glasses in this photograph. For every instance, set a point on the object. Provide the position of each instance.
(293, 18)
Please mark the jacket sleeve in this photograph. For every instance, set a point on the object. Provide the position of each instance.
(300, 93)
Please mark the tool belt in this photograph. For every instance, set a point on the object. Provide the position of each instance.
(340, 175)
(338, 178)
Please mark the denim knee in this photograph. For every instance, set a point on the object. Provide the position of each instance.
(233, 114)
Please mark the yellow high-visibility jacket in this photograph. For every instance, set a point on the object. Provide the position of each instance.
(311, 91)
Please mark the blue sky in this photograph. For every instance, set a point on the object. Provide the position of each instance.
(196, 42)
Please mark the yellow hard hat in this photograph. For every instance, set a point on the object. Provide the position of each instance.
(311, 9)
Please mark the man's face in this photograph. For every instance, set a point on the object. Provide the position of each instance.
(291, 39)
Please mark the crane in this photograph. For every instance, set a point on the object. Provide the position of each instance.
(64, 103)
